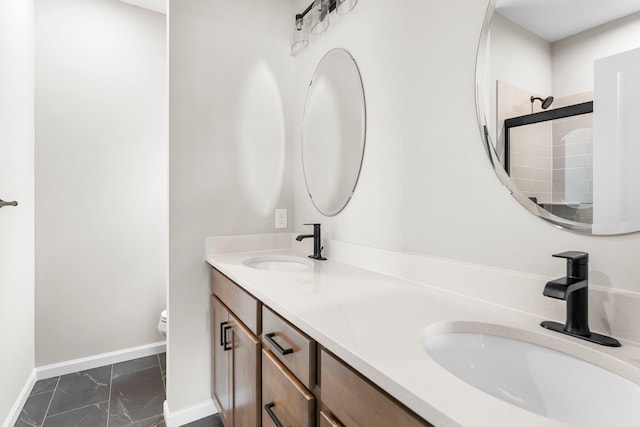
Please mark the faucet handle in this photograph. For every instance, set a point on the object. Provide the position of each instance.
(311, 224)
(577, 264)
(581, 257)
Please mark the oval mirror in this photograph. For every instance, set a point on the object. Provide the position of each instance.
(333, 132)
(558, 97)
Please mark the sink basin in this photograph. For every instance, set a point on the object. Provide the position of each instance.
(538, 379)
(281, 263)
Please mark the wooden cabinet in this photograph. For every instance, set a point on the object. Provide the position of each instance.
(222, 361)
(246, 375)
(285, 400)
(293, 348)
(236, 356)
(327, 420)
(350, 400)
(277, 381)
(243, 305)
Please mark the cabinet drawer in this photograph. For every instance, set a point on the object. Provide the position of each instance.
(291, 346)
(327, 420)
(353, 401)
(284, 398)
(241, 303)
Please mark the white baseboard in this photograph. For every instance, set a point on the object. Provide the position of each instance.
(57, 369)
(71, 366)
(14, 414)
(188, 415)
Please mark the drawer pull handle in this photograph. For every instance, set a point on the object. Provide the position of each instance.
(224, 327)
(222, 333)
(282, 351)
(272, 414)
(227, 346)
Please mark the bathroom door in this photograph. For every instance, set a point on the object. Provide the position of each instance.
(16, 152)
(616, 151)
(16, 183)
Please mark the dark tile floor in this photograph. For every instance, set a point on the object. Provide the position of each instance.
(124, 394)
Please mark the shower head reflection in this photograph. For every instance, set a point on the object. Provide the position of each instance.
(546, 102)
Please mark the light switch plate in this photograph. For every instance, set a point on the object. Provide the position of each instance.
(281, 218)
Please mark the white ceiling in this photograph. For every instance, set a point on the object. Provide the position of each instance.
(155, 5)
(555, 20)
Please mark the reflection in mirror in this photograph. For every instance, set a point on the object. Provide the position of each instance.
(558, 100)
(333, 135)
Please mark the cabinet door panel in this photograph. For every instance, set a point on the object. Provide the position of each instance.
(246, 375)
(283, 396)
(222, 361)
(356, 402)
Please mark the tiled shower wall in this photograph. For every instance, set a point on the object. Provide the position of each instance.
(551, 161)
(530, 157)
(531, 161)
(573, 154)
(573, 159)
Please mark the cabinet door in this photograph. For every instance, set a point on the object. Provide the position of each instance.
(286, 402)
(221, 347)
(246, 375)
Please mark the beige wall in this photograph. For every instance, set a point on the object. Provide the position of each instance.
(16, 183)
(229, 68)
(101, 177)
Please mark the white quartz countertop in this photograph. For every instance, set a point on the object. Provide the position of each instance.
(375, 323)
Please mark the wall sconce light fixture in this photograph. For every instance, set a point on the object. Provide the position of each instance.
(319, 12)
(299, 36)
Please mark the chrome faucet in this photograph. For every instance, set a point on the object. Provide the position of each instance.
(574, 288)
(317, 244)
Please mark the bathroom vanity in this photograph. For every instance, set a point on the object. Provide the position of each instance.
(268, 372)
(301, 342)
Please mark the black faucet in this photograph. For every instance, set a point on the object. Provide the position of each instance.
(574, 288)
(317, 248)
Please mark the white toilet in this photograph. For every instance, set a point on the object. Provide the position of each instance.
(162, 324)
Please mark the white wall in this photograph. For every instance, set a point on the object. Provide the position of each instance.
(573, 57)
(519, 57)
(229, 73)
(16, 183)
(426, 185)
(101, 177)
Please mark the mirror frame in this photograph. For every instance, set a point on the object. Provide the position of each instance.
(350, 190)
(563, 223)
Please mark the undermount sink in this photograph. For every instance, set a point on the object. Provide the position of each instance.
(280, 263)
(538, 379)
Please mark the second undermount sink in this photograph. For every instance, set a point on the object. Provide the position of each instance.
(541, 380)
(279, 263)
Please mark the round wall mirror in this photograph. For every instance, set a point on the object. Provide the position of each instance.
(333, 132)
(558, 84)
